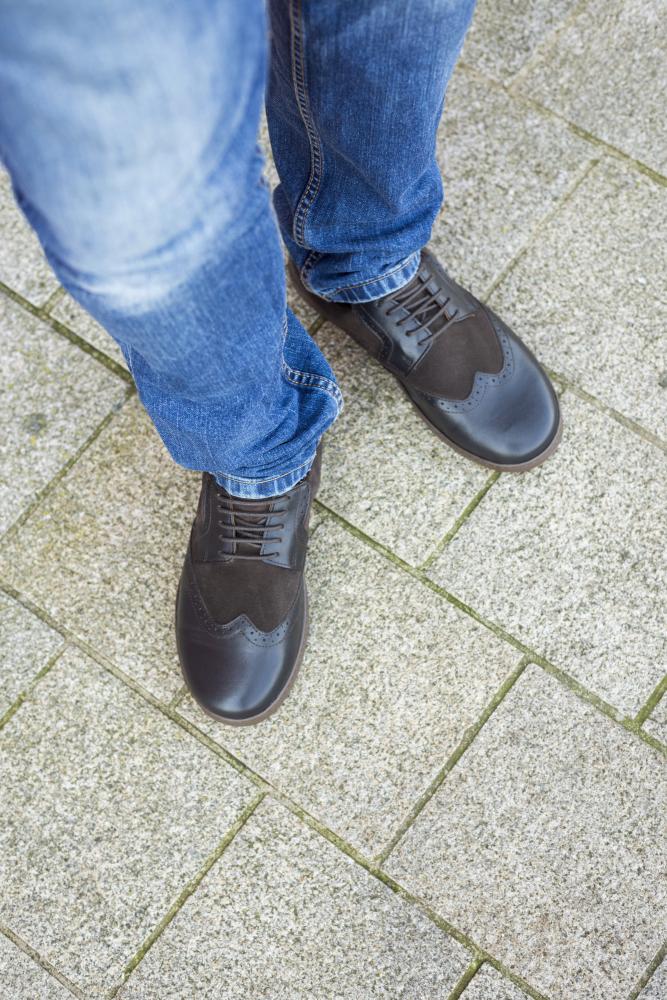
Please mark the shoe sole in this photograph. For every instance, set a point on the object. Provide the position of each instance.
(311, 300)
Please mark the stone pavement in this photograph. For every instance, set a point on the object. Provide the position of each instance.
(466, 793)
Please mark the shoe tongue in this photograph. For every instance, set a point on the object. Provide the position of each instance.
(243, 518)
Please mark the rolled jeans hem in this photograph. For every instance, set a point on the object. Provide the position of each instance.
(264, 489)
(376, 287)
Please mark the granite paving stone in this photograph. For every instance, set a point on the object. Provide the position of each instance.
(53, 398)
(656, 988)
(284, 915)
(27, 646)
(506, 33)
(546, 844)
(103, 551)
(68, 311)
(21, 978)
(505, 167)
(383, 468)
(109, 809)
(568, 558)
(606, 73)
(488, 984)
(602, 323)
(656, 724)
(23, 266)
(393, 677)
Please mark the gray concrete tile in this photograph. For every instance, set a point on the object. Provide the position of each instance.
(598, 315)
(383, 469)
(504, 167)
(392, 679)
(102, 553)
(656, 724)
(23, 979)
(546, 843)
(27, 645)
(505, 33)
(68, 311)
(54, 396)
(109, 809)
(284, 915)
(656, 988)
(23, 266)
(606, 73)
(488, 984)
(568, 558)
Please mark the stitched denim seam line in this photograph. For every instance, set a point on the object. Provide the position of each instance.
(269, 479)
(379, 277)
(303, 103)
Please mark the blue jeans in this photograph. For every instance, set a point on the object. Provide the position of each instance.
(129, 128)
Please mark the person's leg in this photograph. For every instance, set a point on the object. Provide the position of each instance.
(355, 95)
(129, 131)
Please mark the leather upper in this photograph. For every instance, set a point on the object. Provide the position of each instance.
(241, 609)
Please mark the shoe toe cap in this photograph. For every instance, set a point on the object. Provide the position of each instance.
(237, 673)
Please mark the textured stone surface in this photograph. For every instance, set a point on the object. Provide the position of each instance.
(53, 397)
(72, 315)
(383, 469)
(23, 266)
(23, 979)
(322, 925)
(109, 809)
(656, 724)
(656, 988)
(606, 72)
(103, 552)
(546, 843)
(572, 557)
(603, 321)
(504, 167)
(392, 678)
(488, 984)
(27, 645)
(505, 33)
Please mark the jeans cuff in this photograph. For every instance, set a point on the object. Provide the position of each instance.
(379, 286)
(263, 489)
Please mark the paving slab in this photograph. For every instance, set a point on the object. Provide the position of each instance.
(392, 678)
(504, 168)
(54, 396)
(23, 266)
(23, 979)
(568, 557)
(546, 844)
(656, 724)
(68, 311)
(606, 73)
(102, 553)
(656, 988)
(27, 645)
(383, 469)
(284, 915)
(488, 984)
(506, 33)
(109, 809)
(602, 322)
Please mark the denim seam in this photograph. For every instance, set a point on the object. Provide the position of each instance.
(312, 187)
(268, 479)
(378, 277)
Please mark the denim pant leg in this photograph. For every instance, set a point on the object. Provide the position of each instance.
(355, 94)
(129, 130)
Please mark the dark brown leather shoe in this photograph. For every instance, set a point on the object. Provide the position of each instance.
(469, 377)
(241, 608)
